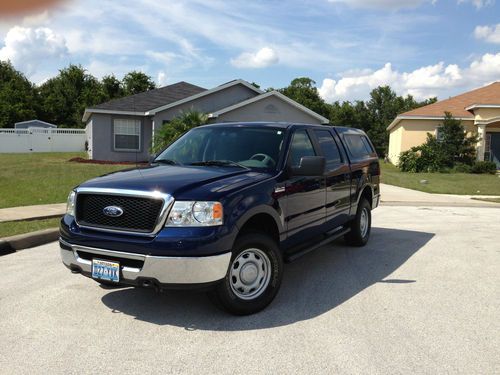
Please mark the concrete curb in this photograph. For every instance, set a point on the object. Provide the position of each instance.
(43, 211)
(51, 216)
(440, 204)
(12, 244)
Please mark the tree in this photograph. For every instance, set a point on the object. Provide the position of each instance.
(173, 129)
(112, 87)
(18, 99)
(456, 144)
(304, 91)
(375, 115)
(354, 115)
(65, 97)
(136, 82)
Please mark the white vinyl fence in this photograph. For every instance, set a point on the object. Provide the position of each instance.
(42, 140)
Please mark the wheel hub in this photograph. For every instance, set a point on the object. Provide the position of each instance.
(364, 222)
(250, 274)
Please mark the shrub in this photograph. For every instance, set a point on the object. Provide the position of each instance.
(429, 157)
(408, 161)
(172, 130)
(462, 168)
(484, 167)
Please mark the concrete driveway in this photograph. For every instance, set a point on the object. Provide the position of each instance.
(422, 297)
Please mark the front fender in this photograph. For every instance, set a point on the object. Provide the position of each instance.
(259, 199)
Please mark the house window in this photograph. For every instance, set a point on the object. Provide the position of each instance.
(127, 134)
(439, 133)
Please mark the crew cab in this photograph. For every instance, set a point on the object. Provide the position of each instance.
(222, 208)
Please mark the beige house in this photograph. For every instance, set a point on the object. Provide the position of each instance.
(479, 111)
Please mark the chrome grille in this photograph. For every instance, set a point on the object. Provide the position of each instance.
(140, 214)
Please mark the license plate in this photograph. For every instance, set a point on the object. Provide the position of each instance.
(105, 270)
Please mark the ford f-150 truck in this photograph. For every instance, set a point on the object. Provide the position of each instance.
(223, 207)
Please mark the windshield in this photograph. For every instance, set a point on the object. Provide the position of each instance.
(245, 147)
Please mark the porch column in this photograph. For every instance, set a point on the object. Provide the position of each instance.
(152, 132)
(481, 131)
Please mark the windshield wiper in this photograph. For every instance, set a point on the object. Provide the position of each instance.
(219, 163)
(166, 161)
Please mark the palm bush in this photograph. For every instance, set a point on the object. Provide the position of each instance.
(173, 129)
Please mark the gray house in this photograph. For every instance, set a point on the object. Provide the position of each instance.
(122, 129)
(34, 124)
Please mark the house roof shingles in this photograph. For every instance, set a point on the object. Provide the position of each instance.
(456, 105)
(151, 99)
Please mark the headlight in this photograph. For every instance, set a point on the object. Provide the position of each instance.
(70, 205)
(195, 214)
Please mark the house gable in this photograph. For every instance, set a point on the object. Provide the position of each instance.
(221, 88)
(210, 101)
(271, 106)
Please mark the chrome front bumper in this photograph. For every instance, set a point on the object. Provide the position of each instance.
(164, 270)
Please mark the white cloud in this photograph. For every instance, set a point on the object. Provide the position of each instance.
(490, 34)
(385, 4)
(163, 57)
(28, 47)
(428, 81)
(486, 69)
(264, 57)
(478, 3)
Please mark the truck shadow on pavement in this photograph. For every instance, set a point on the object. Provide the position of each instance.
(312, 285)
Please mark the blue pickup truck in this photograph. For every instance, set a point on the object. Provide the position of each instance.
(222, 208)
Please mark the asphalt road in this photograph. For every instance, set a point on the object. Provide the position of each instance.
(423, 297)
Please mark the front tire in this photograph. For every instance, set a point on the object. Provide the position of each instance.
(254, 275)
(361, 225)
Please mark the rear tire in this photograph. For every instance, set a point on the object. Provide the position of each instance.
(253, 277)
(361, 225)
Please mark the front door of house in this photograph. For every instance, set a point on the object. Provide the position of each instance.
(495, 148)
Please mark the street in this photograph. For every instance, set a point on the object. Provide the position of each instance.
(422, 297)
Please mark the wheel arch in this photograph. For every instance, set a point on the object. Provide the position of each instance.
(366, 192)
(262, 219)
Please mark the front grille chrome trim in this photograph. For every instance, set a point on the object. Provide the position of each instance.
(168, 201)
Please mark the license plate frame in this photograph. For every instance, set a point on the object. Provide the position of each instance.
(107, 270)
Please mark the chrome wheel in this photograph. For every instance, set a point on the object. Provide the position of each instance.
(250, 274)
(364, 222)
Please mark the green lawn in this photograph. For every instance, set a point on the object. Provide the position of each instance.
(11, 228)
(41, 178)
(443, 183)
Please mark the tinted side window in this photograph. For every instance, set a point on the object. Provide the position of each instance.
(356, 146)
(301, 146)
(329, 148)
(368, 145)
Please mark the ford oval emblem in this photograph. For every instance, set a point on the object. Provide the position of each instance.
(113, 211)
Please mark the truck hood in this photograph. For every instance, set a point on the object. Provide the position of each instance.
(177, 180)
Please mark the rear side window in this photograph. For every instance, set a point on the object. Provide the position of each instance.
(301, 146)
(368, 145)
(358, 146)
(329, 148)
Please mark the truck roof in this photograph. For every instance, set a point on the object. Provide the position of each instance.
(282, 125)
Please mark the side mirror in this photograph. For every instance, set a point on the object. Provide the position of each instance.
(310, 166)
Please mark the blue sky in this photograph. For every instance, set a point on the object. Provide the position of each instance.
(425, 48)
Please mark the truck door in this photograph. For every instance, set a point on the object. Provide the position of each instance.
(338, 179)
(305, 195)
